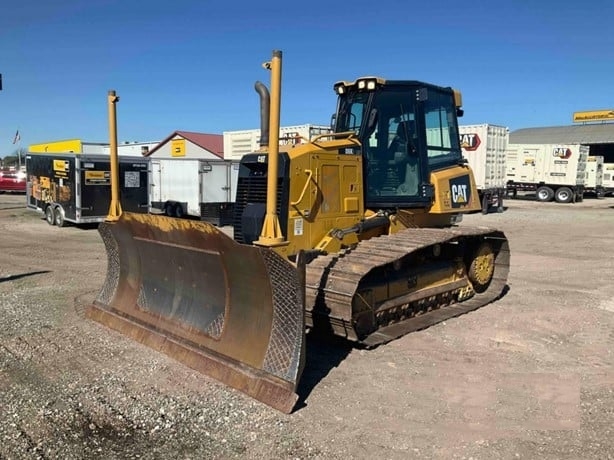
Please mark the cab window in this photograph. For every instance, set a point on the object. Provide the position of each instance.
(442, 141)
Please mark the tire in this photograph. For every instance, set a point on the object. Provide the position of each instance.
(485, 204)
(178, 210)
(59, 217)
(50, 215)
(544, 194)
(563, 195)
(169, 210)
(500, 207)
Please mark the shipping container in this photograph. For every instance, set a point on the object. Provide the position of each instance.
(484, 147)
(76, 188)
(608, 178)
(594, 176)
(199, 188)
(239, 143)
(552, 171)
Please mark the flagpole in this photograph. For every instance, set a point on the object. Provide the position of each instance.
(17, 140)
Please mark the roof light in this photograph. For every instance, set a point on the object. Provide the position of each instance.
(367, 83)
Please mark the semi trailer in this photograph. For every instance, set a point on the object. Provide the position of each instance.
(553, 171)
(484, 148)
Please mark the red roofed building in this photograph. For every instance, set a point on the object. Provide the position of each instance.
(186, 144)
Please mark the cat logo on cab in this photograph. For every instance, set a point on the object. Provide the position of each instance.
(460, 191)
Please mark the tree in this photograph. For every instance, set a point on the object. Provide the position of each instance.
(17, 158)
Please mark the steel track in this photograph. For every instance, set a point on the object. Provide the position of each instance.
(332, 281)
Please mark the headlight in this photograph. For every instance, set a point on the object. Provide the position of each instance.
(368, 84)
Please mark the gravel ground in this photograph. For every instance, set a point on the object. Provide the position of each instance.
(531, 375)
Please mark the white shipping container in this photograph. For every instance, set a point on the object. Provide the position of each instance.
(608, 177)
(553, 164)
(195, 187)
(594, 173)
(239, 143)
(484, 148)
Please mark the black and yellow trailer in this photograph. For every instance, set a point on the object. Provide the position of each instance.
(75, 188)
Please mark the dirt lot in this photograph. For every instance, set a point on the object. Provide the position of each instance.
(529, 376)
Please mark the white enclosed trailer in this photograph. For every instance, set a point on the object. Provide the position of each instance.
(552, 171)
(594, 176)
(194, 187)
(484, 147)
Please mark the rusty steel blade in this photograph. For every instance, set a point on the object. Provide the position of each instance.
(234, 312)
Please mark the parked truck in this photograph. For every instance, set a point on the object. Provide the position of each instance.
(75, 187)
(552, 171)
(594, 177)
(484, 149)
(608, 178)
(199, 188)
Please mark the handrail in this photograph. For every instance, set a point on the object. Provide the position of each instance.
(300, 198)
(345, 134)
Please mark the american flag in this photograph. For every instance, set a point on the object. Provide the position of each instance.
(17, 137)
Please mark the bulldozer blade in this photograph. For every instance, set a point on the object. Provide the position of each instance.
(231, 311)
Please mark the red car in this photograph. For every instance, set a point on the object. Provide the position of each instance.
(12, 181)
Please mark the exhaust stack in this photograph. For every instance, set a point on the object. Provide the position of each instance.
(265, 111)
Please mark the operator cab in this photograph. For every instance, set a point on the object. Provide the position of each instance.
(407, 129)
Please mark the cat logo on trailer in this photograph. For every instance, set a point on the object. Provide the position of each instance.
(470, 141)
(562, 152)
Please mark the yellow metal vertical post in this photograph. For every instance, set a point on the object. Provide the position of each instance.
(115, 209)
(271, 234)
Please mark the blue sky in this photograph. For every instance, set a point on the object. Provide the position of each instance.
(191, 65)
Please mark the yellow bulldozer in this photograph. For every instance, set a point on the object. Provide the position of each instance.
(351, 232)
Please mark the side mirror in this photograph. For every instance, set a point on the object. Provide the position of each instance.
(333, 122)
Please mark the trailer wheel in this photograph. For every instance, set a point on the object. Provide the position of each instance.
(168, 210)
(544, 194)
(59, 217)
(500, 203)
(485, 203)
(563, 195)
(178, 208)
(50, 215)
